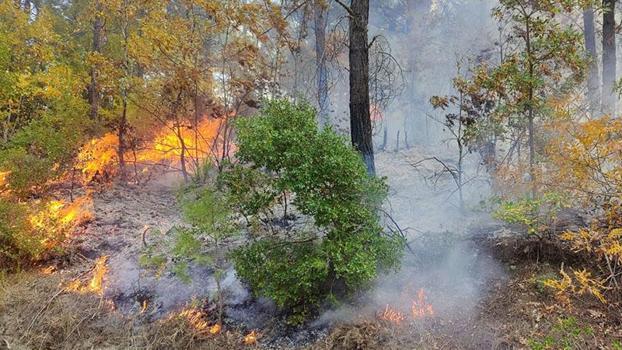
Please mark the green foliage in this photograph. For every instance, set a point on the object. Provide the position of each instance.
(205, 209)
(42, 113)
(284, 157)
(536, 215)
(566, 334)
(284, 271)
(16, 243)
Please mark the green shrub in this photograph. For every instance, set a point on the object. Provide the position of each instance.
(284, 158)
(535, 215)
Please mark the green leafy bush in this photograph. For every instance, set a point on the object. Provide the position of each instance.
(535, 215)
(284, 158)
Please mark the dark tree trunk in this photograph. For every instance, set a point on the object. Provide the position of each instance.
(321, 71)
(593, 86)
(360, 121)
(609, 58)
(98, 26)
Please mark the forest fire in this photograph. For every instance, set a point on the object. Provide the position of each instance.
(251, 338)
(420, 308)
(96, 283)
(215, 329)
(54, 221)
(196, 319)
(3, 178)
(171, 143)
(391, 315)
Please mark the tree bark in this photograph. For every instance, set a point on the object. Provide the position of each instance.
(609, 58)
(360, 121)
(593, 86)
(98, 26)
(321, 71)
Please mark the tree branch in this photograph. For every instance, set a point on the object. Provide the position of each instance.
(346, 7)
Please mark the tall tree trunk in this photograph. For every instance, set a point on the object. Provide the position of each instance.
(98, 25)
(530, 111)
(360, 121)
(609, 58)
(593, 86)
(122, 128)
(321, 71)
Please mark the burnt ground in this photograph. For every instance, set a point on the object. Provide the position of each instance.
(485, 285)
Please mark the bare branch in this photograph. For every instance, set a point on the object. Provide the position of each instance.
(346, 7)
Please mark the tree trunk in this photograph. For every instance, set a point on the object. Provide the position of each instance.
(360, 121)
(530, 111)
(98, 26)
(122, 136)
(321, 71)
(609, 58)
(593, 86)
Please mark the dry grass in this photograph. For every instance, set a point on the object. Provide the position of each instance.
(37, 313)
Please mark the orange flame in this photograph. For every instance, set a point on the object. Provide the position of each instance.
(55, 221)
(3, 177)
(215, 329)
(195, 318)
(95, 285)
(391, 315)
(251, 338)
(144, 307)
(420, 308)
(100, 155)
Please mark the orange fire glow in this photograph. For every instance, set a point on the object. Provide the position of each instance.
(96, 283)
(3, 177)
(144, 307)
(251, 338)
(100, 155)
(420, 308)
(391, 315)
(56, 219)
(215, 329)
(195, 318)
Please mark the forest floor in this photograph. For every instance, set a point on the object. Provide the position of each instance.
(485, 285)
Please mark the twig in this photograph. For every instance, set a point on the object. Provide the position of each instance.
(400, 231)
(34, 319)
(346, 7)
(144, 235)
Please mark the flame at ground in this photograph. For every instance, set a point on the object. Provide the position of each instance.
(96, 283)
(251, 338)
(3, 178)
(57, 218)
(215, 329)
(420, 308)
(100, 155)
(391, 315)
(195, 318)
